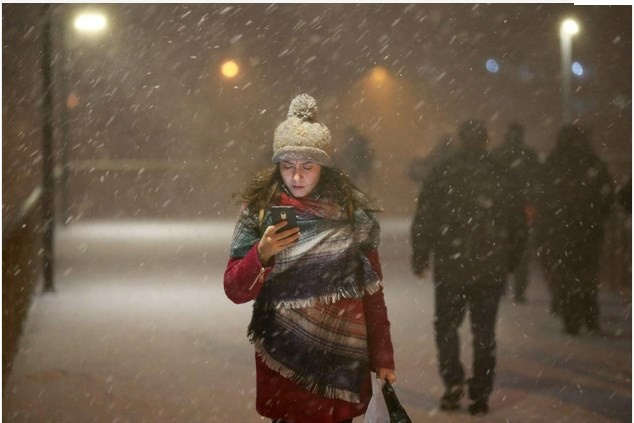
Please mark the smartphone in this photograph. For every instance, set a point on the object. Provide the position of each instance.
(287, 213)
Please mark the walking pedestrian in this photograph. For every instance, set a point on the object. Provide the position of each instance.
(419, 168)
(472, 219)
(520, 162)
(319, 323)
(358, 156)
(577, 195)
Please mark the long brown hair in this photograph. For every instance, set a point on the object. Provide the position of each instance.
(267, 184)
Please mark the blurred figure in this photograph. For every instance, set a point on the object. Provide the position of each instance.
(521, 163)
(358, 156)
(472, 219)
(624, 197)
(420, 167)
(577, 194)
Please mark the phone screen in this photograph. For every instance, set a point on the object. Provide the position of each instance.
(279, 213)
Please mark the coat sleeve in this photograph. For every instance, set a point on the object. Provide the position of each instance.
(245, 276)
(378, 326)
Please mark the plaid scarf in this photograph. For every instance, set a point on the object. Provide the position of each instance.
(306, 323)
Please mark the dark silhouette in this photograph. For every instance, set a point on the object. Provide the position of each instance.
(577, 194)
(520, 162)
(471, 217)
(420, 167)
(358, 156)
(624, 197)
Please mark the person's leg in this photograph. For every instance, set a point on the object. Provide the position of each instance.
(449, 314)
(592, 309)
(483, 307)
(589, 286)
(571, 301)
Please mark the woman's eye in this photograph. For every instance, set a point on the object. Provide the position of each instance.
(307, 167)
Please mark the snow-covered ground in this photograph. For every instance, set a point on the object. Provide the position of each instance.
(139, 330)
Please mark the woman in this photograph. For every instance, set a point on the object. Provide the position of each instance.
(319, 322)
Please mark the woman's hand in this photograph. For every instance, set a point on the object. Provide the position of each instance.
(386, 374)
(272, 242)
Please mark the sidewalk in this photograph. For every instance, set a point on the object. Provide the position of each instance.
(140, 330)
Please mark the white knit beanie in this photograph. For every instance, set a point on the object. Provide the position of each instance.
(300, 136)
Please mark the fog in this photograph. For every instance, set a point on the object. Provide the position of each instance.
(151, 139)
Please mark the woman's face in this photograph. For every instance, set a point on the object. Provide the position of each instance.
(300, 177)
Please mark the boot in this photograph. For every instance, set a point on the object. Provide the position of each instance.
(451, 399)
(479, 407)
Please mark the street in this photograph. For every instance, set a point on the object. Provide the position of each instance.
(140, 330)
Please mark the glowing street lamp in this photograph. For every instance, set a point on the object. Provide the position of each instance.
(88, 23)
(568, 29)
(230, 69)
(379, 75)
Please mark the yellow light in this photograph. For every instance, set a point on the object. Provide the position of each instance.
(72, 101)
(90, 22)
(569, 26)
(379, 74)
(230, 69)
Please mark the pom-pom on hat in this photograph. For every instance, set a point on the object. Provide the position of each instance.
(300, 136)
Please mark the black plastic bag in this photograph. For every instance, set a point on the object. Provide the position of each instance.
(394, 407)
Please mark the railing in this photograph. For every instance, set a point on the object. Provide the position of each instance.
(22, 240)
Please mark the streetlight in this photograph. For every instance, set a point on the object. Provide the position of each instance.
(230, 69)
(568, 29)
(379, 75)
(90, 22)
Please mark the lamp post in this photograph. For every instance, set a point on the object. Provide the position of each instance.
(568, 29)
(48, 179)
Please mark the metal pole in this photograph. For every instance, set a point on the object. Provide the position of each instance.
(65, 60)
(48, 178)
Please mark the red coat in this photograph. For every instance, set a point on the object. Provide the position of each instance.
(280, 398)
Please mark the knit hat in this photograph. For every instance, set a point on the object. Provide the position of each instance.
(300, 136)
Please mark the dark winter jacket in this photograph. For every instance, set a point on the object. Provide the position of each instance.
(471, 217)
(577, 195)
(520, 162)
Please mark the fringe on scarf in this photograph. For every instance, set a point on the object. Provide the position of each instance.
(330, 298)
(310, 386)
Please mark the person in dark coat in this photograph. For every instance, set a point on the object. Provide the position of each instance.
(624, 197)
(520, 162)
(471, 218)
(420, 167)
(577, 195)
(358, 155)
